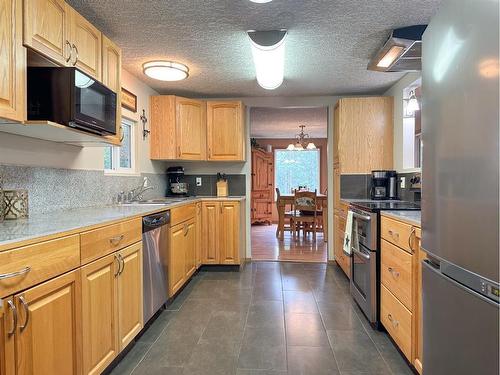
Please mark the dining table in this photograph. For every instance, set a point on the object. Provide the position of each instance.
(287, 200)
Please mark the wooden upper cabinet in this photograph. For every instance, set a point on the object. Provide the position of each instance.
(364, 134)
(190, 129)
(50, 314)
(47, 28)
(111, 77)
(225, 131)
(86, 44)
(12, 61)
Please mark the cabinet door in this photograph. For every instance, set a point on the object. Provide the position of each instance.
(262, 171)
(225, 131)
(87, 45)
(130, 302)
(47, 28)
(229, 233)
(209, 237)
(190, 246)
(99, 314)
(12, 61)
(7, 333)
(176, 259)
(198, 235)
(190, 129)
(262, 209)
(111, 77)
(48, 333)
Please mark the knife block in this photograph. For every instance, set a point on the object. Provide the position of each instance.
(222, 189)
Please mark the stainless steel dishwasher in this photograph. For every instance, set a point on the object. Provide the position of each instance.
(155, 230)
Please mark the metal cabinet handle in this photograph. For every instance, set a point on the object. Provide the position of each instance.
(393, 272)
(410, 243)
(122, 262)
(116, 240)
(26, 311)
(186, 230)
(70, 51)
(77, 54)
(394, 322)
(394, 234)
(14, 318)
(25, 270)
(179, 151)
(119, 265)
(221, 205)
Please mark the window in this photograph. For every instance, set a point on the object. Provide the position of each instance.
(412, 130)
(122, 159)
(294, 169)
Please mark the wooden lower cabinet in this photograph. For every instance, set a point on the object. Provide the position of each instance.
(40, 329)
(341, 258)
(182, 255)
(111, 306)
(190, 247)
(221, 224)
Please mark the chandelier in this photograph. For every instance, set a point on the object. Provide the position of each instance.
(301, 141)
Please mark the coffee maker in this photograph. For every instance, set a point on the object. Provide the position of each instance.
(177, 186)
(384, 185)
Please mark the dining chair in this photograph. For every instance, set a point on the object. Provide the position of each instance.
(305, 213)
(283, 216)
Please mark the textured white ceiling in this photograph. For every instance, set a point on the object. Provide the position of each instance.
(329, 44)
(284, 122)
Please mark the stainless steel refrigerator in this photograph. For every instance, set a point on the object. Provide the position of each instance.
(460, 189)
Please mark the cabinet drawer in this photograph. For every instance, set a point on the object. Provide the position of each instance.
(183, 213)
(397, 320)
(396, 272)
(45, 261)
(396, 232)
(102, 241)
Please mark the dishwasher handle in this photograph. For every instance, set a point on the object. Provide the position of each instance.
(154, 221)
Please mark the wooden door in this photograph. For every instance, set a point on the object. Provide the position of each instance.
(190, 246)
(49, 327)
(12, 61)
(225, 131)
(229, 233)
(209, 232)
(87, 45)
(99, 314)
(111, 77)
(7, 337)
(47, 28)
(190, 129)
(198, 235)
(130, 293)
(177, 259)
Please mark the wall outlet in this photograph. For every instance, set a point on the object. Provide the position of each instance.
(402, 182)
(198, 181)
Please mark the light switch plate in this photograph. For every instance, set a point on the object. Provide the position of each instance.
(198, 181)
(402, 182)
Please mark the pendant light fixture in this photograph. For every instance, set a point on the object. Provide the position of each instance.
(301, 141)
(268, 51)
(166, 70)
(413, 102)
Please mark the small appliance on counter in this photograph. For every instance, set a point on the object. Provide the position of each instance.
(384, 185)
(177, 186)
(222, 188)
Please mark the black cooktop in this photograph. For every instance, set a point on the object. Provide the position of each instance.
(376, 206)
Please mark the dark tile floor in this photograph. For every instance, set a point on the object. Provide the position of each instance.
(269, 319)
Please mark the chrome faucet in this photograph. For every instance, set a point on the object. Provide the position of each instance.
(136, 194)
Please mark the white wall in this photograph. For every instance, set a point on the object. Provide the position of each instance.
(20, 150)
(397, 92)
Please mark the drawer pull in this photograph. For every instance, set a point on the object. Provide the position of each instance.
(394, 322)
(394, 235)
(122, 262)
(410, 237)
(393, 272)
(186, 230)
(25, 270)
(14, 318)
(26, 312)
(116, 240)
(119, 265)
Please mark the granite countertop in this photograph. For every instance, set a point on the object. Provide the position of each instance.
(410, 217)
(78, 219)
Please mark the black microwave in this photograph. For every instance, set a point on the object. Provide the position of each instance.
(72, 98)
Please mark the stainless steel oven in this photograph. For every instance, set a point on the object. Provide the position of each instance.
(364, 262)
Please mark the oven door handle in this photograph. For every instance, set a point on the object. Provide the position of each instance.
(359, 253)
(360, 216)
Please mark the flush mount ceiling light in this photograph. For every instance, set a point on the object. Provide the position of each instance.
(165, 70)
(261, 1)
(268, 50)
(301, 141)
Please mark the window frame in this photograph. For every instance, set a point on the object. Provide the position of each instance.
(116, 169)
(318, 182)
